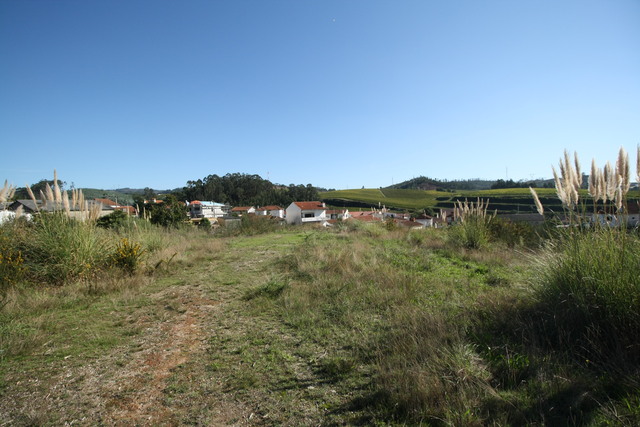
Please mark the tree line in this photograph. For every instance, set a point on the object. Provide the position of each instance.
(237, 189)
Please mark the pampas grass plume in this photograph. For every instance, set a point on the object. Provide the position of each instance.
(56, 188)
(33, 197)
(622, 170)
(577, 174)
(593, 181)
(537, 201)
(7, 192)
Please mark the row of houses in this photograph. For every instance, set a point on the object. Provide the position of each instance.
(317, 212)
(305, 213)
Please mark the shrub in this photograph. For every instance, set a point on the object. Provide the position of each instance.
(249, 225)
(127, 255)
(590, 281)
(169, 214)
(58, 248)
(115, 219)
(514, 233)
(12, 267)
(471, 230)
(205, 224)
(590, 293)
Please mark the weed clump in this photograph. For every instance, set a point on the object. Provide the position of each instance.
(471, 230)
(12, 267)
(127, 255)
(589, 278)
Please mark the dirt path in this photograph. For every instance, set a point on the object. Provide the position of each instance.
(202, 354)
(135, 384)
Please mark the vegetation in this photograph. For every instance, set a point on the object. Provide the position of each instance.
(238, 189)
(482, 323)
(504, 200)
(169, 213)
(424, 183)
(471, 224)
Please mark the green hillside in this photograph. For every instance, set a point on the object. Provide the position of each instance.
(117, 196)
(510, 200)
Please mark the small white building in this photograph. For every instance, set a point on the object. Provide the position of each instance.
(198, 209)
(272, 210)
(305, 212)
(338, 214)
(425, 220)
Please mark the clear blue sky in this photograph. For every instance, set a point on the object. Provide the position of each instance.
(339, 94)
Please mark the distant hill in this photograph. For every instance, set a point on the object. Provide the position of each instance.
(511, 200)
(425, 183)
(122, 197)
(134, 191)
(432, 184)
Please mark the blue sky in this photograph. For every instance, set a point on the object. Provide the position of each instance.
(339, 94)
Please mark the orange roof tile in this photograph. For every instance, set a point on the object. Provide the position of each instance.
(309, 206)
(106, 202)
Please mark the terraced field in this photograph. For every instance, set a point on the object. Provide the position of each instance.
(510, 200)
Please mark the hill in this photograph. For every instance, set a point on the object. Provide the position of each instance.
(509, 200)
(425, 183)
(122, 197)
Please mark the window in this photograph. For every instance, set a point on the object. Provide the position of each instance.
(308, 215)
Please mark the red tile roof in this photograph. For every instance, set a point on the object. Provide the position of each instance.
(359, 214)
(310, 206)
(241, 208)
(270, 208)
(106, 202)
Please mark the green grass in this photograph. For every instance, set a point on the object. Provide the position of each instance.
(401, 199)
(509, 200)
(354, 325)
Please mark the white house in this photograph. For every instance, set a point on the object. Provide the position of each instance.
(425, 220)
(272, 210)
(198, 209)
(304, 212)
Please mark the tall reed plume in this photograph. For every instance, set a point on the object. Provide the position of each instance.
(7, 192)
(57, 200)
(608, 185)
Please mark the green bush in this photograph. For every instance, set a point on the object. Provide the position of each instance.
(58, 249)
(249, 225)
(205, 224)
(115, 219)
(169, 214)
(590, 293)
(471, 230)
(12, 267)
(514, 233)
(127, 255)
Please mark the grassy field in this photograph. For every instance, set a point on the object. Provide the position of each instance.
(361, 324)
(511, 200)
